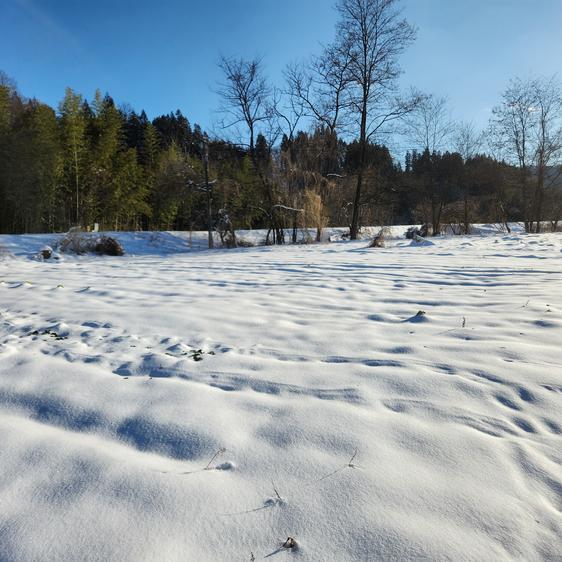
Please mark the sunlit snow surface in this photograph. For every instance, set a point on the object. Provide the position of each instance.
(353, 422)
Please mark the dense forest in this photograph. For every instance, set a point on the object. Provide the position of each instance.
(309, 154)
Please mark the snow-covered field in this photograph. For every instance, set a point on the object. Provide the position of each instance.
(374, 404)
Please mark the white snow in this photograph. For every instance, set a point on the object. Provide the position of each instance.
(402, 403)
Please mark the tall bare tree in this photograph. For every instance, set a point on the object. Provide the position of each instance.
(430, 125)
(287, 112)
(467, 141)
(248, 101)
(245, 96)
(512, 125)
(376, 35)
(527, 131)
(548, 151)
(320, 86)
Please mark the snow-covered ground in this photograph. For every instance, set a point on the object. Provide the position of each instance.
(374, 404)
(166, 243)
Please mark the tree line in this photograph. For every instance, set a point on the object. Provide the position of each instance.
(311, 153)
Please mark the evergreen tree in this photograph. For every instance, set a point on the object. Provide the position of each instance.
(170, 187)
(32, 170)
(75, 146)
(127, 199)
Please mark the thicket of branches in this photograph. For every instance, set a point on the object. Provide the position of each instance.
(310, 153)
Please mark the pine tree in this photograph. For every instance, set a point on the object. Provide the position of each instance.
(8, 102)
(75, 145)
(129, 194)
(33, 169)
(150, 147)
(170, 187)
(48, 159)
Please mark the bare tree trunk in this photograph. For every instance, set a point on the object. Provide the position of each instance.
(354, 230)
(525, 200)
(539, 197)
(374, 35)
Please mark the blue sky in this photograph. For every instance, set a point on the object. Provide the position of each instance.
(160, 55)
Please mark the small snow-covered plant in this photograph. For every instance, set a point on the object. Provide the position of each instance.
(226, 230)
(379, 239)
(76, 241)
(414, 231)
(290, 543)
(46, 253)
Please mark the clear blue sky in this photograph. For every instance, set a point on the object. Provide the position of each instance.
(160, 55)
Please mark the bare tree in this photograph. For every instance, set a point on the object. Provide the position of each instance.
(376, 35)
(548, 151)
(430, 125)
(511, 126)
(245, 96)
(320, 87)
(247, 100)
(527, 131)
(467, 141)
(286, 113)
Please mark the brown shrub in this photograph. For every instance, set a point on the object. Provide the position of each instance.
(108, 246)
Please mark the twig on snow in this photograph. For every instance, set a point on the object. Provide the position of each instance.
(221, 451)
(348, 465)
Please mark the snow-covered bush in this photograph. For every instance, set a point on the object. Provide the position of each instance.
(46, 253)
(419, 241)
(226, 230)
(79, 242)
(378, 240)
(414, 231)
(108, 246)
(245, 243)
(76, 241)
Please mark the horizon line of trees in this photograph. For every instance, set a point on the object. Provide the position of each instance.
(310, 154)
